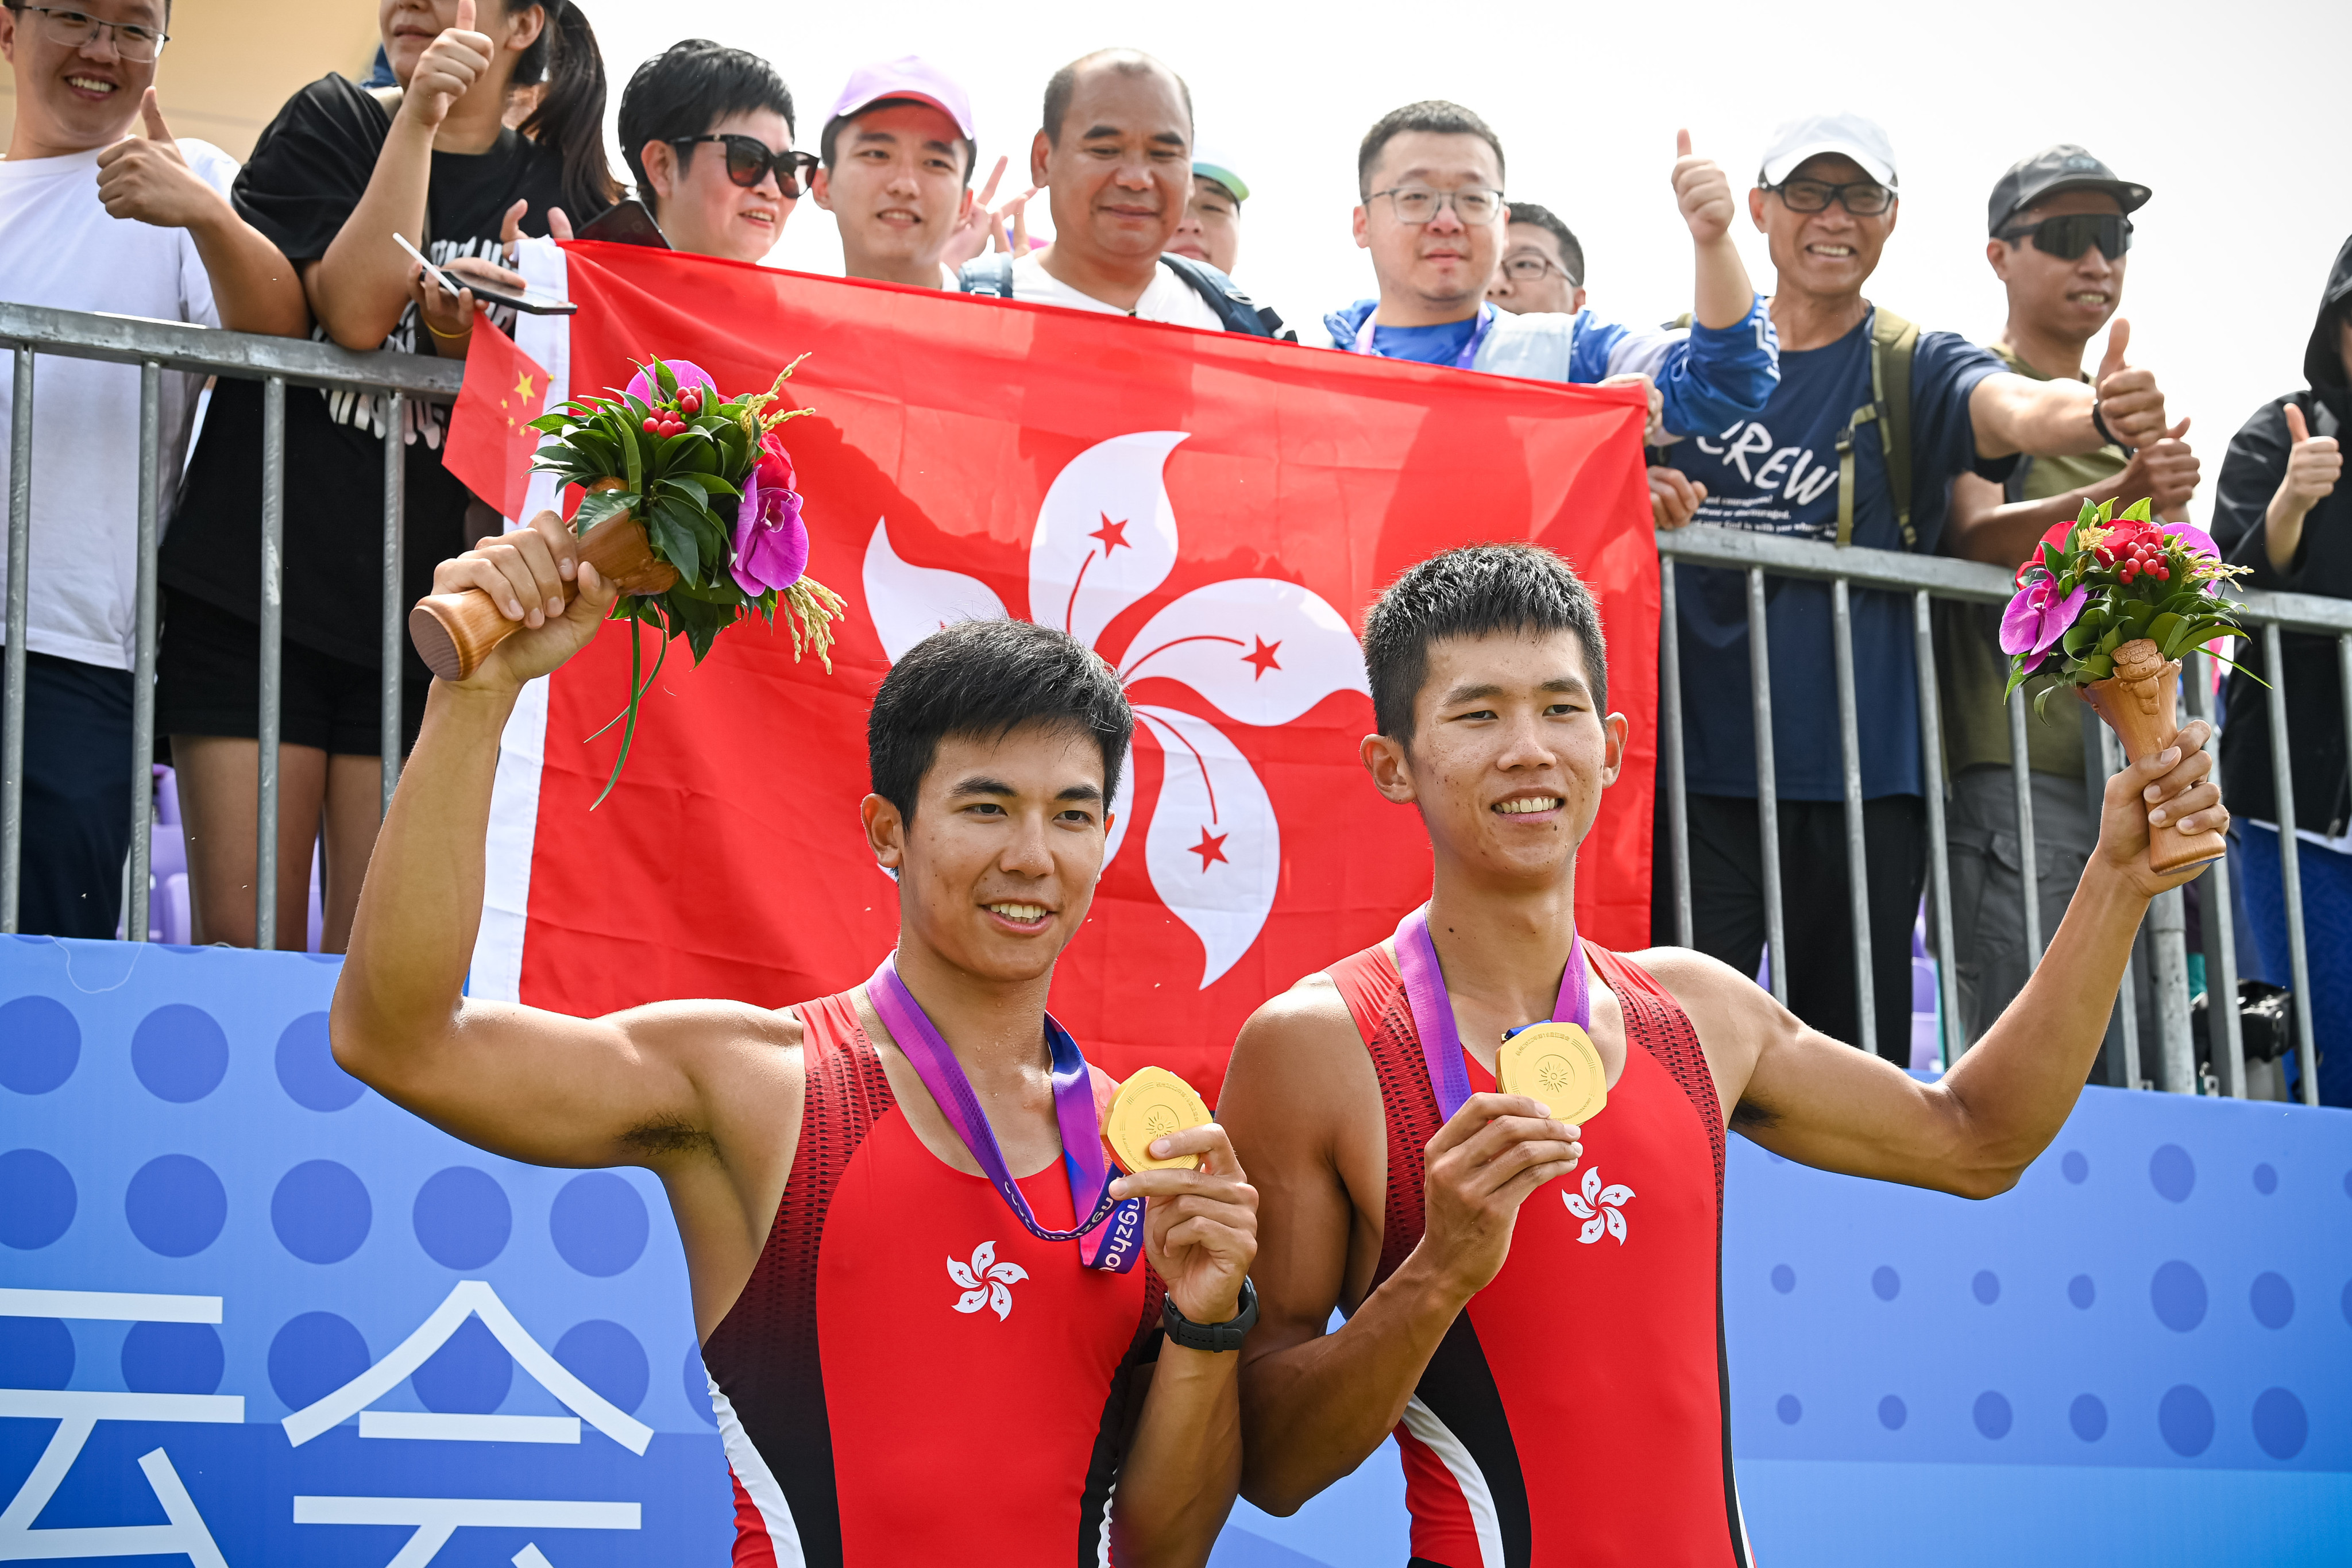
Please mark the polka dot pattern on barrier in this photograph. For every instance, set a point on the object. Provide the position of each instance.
(2178, 1294)
(1784, 1278)
(462, 1218)
(1892, 1413)
(598, 1224)
(2265, 1179)
(2184, 1418)
(468, 1376)
(176, 1204)
(1985, 1287)
(2082, 1291)
(698, 1383)
(1885, 1283)
(2089, 1417)
(2075, 1167)
(36, 1199)
(40, 1045)
(607, 1358)
(1790, 1409)
(37, 1351)
(2272, 1300)
(2172, 1172)
(1992, 1414)
(321, 1212)
(173, 1358)
(180, 1053)
(314, 1355)
(2281, 1425)
(307, 1070)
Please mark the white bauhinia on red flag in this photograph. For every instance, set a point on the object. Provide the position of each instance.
(1210, 513)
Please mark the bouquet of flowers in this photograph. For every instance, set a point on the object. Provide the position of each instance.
(2109, 605)
(691, 511)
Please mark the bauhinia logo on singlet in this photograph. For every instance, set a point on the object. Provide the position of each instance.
(986, 1283)
(1599, 1207)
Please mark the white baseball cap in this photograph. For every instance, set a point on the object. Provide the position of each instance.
(1864, 141)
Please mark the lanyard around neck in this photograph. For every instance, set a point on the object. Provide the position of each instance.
(1465, 360)
(1433, 1008)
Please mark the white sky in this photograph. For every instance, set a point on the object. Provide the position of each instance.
(2239, 127)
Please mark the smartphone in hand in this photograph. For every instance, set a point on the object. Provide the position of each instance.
(528, 301)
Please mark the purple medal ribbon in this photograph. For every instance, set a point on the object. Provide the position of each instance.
(1465, 360)
(1113, 1247)
(1433, 1010)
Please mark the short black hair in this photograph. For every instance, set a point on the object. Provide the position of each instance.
(986, 678)
(685, 90)
(1062, 85)
(1431, 114)
(828, 140)
(1473, 591)
(1570, 252)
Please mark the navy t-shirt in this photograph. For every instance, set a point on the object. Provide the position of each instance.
(1440, 345)
(1778, 473)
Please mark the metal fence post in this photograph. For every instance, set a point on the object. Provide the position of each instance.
(2020, 773)
(1670, 750)
(2167, 942)
(142, 671)
(2223, 1035)
(393, 730)
(2290, 875)
(1857, 883)
(273, 580)
(11, 707)
(1768, 805)
(1940, 857)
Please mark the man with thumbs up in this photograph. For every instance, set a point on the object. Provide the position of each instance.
(1833, 458)
(95, 217)
(2060, 233)
(1434, 218)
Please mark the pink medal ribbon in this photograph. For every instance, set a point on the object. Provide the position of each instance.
(1112, 1246)
(1433, 1010)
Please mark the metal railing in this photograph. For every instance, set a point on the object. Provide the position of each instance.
(1926, 578)
(278, 362)
(156, 347)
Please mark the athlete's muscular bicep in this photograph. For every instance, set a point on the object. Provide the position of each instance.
(1811, 1098)
(648, 1087)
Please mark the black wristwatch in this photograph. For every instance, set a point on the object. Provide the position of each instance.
(1215, 1337)
(2099, 423)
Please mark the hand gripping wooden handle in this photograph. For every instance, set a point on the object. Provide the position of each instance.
(2140, 704)
(455, 632)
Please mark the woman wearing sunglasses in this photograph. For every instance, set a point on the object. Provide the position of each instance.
(708, 131)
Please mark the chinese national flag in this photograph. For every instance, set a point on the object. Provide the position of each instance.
(490, 439)
(1211, 513)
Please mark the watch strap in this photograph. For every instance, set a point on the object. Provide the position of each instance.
(1215, 1338)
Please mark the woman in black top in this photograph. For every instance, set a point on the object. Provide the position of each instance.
(2284, 510)
(332, 178)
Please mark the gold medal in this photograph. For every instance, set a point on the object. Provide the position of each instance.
(1557, 1064)
(1152, 1104)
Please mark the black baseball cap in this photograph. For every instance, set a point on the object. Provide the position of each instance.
(2064, 167)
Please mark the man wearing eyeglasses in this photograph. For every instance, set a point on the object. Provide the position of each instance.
(93, 218)
(1543, 264)
(1813, 465)
(1431, 215)
(708, 131)
(2059, 231)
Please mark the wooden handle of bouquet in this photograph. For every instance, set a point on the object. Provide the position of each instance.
(2141, 704)
(455, 632)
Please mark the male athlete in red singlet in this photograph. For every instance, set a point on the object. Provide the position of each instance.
(1547, 1347)
(902, 1371)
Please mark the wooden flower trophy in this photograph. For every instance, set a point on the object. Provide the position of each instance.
(655, 462)
(2111, 604)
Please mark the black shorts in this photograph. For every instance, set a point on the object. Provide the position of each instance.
(208, 682)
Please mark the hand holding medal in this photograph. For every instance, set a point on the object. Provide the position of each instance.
(1557, 1064)
(1200, 1225)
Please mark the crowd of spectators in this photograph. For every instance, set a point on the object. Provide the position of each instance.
(483, 124)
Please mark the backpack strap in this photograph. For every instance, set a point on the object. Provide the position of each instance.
(1236, 311)
(1893, 341)
(990, 275)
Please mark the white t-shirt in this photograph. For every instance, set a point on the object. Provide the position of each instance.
(1169, 298)
(63, 250)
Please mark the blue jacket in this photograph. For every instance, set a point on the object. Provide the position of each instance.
(1709, 378)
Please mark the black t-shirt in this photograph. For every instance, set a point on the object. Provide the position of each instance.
(308, 173)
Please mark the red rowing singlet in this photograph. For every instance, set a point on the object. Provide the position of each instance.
(911, 1376)
(1576, 1411)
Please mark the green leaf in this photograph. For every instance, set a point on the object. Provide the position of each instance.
(673, 538)
(2161, 629)
(665, 377)
(2138, 511)
(598, 505)
(2078, 637)
(2098, 667)
(687, 488)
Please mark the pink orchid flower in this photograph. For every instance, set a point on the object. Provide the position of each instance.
(647, 391)
(772, 545)
(2037, 618)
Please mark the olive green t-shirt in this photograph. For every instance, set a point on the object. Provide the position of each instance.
(1972, 669)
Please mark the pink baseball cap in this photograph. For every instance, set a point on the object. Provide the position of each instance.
(909, 76)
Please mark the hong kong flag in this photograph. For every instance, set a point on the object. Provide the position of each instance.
(1211, 513)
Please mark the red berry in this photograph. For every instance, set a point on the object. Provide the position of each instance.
(2163, 573)
(2127, 573)
(690, 401)
(653, 425)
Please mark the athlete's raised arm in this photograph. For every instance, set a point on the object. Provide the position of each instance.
(1300, 1098)
(1974, 1132)
(631, 1088)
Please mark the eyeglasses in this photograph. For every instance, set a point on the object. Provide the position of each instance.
(2068, 237)
(1863, 198)
(1474, 205)
(1529, 266)
(749, 161)
(80, 29)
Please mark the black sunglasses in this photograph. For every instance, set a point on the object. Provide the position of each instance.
(2067, 237)
(748, 160)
